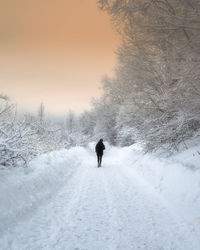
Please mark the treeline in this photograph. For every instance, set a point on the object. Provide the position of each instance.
(154, 97)
(24, 136)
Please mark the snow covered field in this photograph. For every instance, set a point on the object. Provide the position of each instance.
(135, 201)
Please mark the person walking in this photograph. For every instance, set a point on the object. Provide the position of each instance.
(100, 147)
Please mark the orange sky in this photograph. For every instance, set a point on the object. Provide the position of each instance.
(55, 52)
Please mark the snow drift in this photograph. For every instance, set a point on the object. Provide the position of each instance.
(24, 189)
(176, 180)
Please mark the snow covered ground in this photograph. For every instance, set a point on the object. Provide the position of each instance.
(135, 201)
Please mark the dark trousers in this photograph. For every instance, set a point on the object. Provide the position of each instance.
(99, 159)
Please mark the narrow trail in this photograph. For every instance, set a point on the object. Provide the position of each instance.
(99, 209)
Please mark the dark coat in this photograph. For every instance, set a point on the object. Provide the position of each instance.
(100, 148)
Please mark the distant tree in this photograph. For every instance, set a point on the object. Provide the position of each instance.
(41, 113)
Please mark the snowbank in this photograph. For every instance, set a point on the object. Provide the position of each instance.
(24, 189)
(175, 180)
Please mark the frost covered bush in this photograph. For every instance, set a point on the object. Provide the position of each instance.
(22, 137)
(15, 136)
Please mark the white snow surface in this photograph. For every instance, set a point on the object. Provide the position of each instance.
(134, 201)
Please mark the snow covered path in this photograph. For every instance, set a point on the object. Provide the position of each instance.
(98, 209)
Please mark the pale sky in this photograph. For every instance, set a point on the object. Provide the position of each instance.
(55, 52)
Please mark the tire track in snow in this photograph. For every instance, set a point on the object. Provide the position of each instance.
(94, 229)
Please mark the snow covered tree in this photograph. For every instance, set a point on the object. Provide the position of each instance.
(156, 83)
(17, 137)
